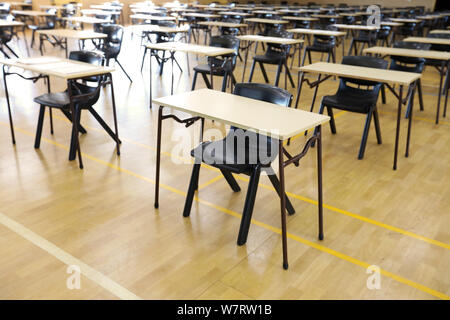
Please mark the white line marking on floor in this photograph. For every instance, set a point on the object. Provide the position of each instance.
(89, 272)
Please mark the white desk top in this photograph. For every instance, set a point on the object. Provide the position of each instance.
(440, 31)
(268, 21)
(89, 20)
(73, 34)
(404, 20)
(293, 18)
(31, 13)
(201, 15)
(57, 67)
(427, 54)
(223, 24)
(363, 73)
(318, 32)
(5, 23)
(191, 48)
(245, 113)
(251, 37)
(156, 28)
(150, 17)
(99, 12)
(234, 13)
(428, 40)
(355, 27)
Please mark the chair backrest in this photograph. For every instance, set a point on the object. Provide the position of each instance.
(264, 92)
(113, 41)
(329, 40)
(227, 41)
(366, 89)
(85, 95)
(409, 60)
(439, 47)
(277, 48)
(267, 93)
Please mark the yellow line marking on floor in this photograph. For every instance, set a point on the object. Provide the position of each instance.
(314, 245)
(417, 118)
(306, 199)
(207, 183)
(89, 272)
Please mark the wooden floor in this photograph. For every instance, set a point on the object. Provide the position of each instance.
(102, 218)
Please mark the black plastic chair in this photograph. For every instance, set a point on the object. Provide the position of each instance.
(221, 66)
(235, 154)
(363, 38)
(84, 97)
(410, 64)
(159, 38)
(48, 24)
(275, 55)
(6, 35)
(357, 99)
(112, 44)
(322, 44)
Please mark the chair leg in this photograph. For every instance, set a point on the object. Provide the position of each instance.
(205, 78)
(362, 147)
(33, 33)
(231, 180)
(383, 94)
(224, 82)
(276, 184)
(263, 70)
(40, 124)
(81, 129)
(192, 186)
(194, 80)
(376, 121)
(304, 57)
(143, 58)
(123, 70)
(351, 47)
(252, 70)
(419, 90)
(74, 146)
(248, 207)
(289, 75)
(277, 77)
(332, 122)
(104, 124)
(51, 120)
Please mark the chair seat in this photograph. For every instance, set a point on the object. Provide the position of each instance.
(270, 58)
(205, 68)
(55, 100)
(348, 102)
(234, 156)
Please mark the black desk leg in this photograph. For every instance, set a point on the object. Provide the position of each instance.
(319, 179)
(11, 125)
(172, 58)
(299, 87)
(446, 91)
(158, 156)
(150, 80)
(440, 91)
(245, 60)
(397, 133)
(116, 127)
(283, 205)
